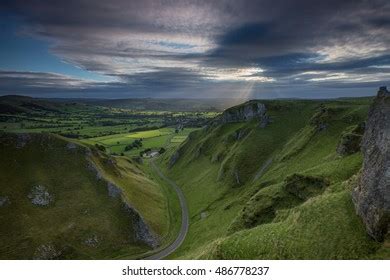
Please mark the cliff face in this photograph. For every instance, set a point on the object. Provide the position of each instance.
(372, 195)
(245, 112)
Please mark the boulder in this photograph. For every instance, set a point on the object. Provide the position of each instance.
(371, 196)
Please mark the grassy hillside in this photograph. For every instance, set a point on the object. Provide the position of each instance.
(276, 192)
(56, 203)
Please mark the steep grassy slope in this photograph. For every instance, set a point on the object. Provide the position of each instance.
(57, 202)
(276, 192)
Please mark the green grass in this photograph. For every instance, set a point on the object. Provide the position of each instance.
(81, 207)
(150, 133)
(280, 192)
(178, 139)
(151, 139)
(279, 223)
(82, 121)
(322, 228)
(173, 214)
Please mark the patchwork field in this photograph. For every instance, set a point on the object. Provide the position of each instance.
(79, 120)
(151, 139)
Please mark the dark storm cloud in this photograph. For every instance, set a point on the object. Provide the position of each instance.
(190, 47)
(301, 26)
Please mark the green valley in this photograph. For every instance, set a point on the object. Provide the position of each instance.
(265, 179)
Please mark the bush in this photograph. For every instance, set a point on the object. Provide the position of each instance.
(100, 147)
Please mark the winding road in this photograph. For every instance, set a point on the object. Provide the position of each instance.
(184, 218)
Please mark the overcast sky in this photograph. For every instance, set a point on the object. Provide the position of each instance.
(194, 49)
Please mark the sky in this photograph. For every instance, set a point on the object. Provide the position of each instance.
(194, 49)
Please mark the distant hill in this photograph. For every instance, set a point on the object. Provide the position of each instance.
(18, 104)
(13, 104)
(161, 104)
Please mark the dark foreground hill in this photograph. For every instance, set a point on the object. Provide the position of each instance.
(66, 201)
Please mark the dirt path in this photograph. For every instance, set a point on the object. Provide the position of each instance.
(184, 218)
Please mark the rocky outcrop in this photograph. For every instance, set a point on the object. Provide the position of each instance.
(47, 252)
(92, 241)
(321, 118)
(174, 158)
(372, 194)
(350, 140)
(304, 187)
(142, 231)
(71, 146)
(4, 201)
(113, 190)
(246, 112)
(40, 196)
(92, 167)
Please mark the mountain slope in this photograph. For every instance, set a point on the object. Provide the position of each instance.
(279, 191)
(62, 200)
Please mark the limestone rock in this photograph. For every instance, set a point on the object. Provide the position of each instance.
(350, 140)
(303, 186)
(142, 231)
(92, 241)
(372, 194)
(40, 196)
(246, 112)
(71, 146)
(92, 167)
(4, 201)
(174, 159)
(46, 252)
(113, 190)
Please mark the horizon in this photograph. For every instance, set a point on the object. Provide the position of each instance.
(194, 49)
(186, 98)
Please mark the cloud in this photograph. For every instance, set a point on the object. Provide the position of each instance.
(190, 47)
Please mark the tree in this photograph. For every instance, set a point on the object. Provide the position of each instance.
(100, 147)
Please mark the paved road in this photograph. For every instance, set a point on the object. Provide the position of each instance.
(184, 218)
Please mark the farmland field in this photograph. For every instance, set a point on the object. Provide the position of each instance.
(112, 128)
(83, 121)
(178, 139)
(151, 139)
